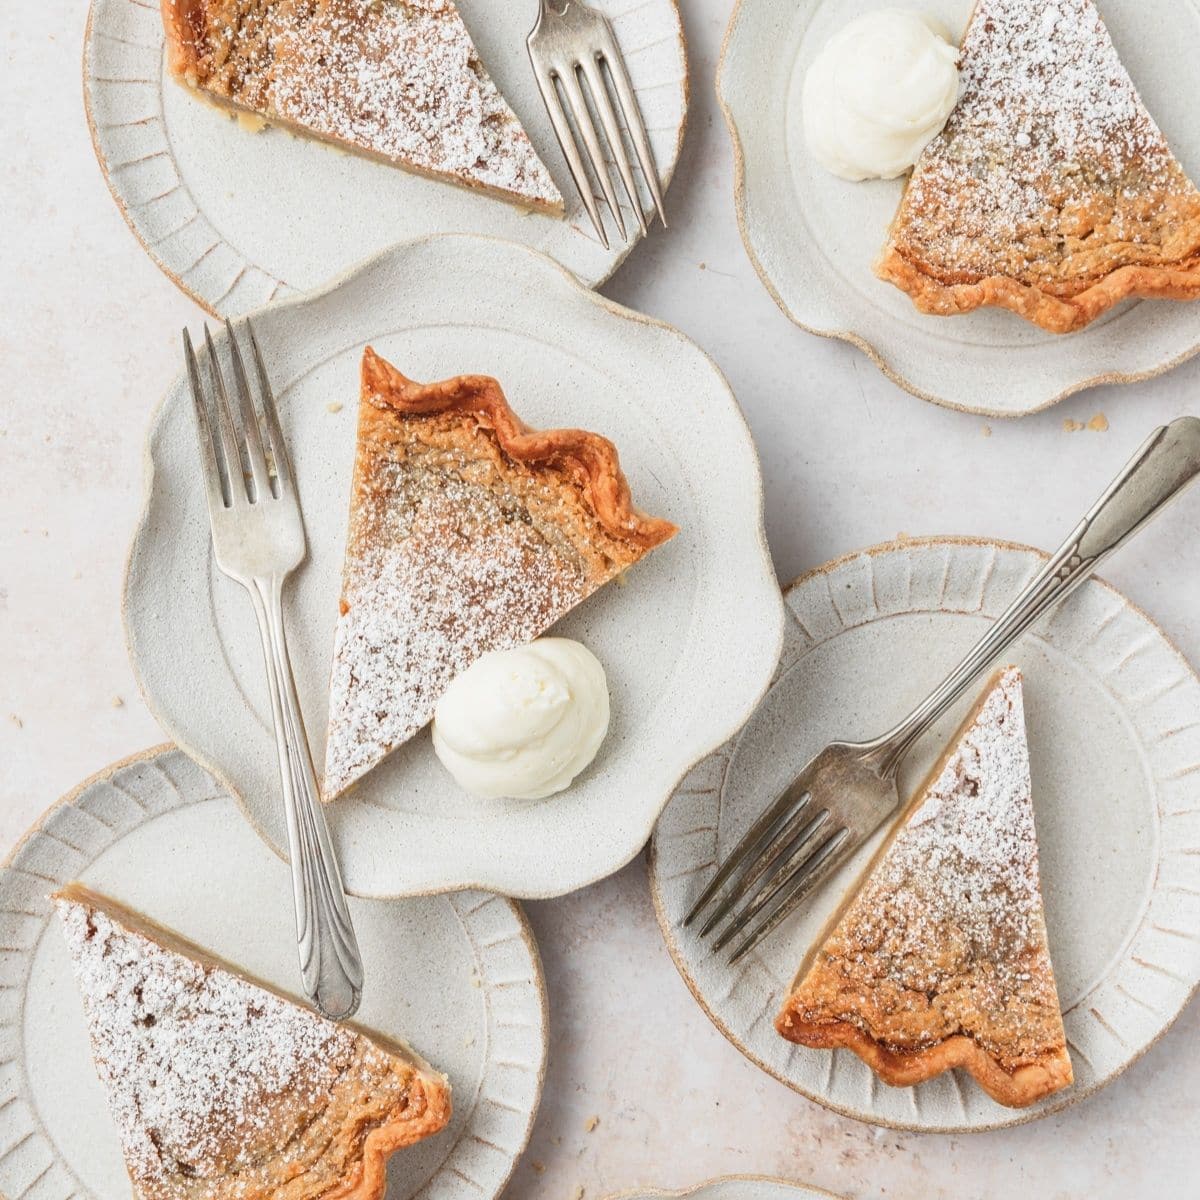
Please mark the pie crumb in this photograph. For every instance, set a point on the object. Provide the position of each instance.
(1098, 424)
(539, 1167)
(333, 407)
(591, 1123)
(117, 702)
(577, 1194)
(16, 720)
(987, 431)
(1070, 426)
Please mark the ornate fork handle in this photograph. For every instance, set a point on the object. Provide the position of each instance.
(330, 963)
(1168, 461)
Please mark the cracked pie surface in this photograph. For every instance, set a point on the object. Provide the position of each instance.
(941, 959)
(397, 80)
(468, 532)
(222, 1089)
(1051, 191)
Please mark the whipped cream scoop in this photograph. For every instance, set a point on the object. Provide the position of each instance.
(878, 93)
(522, 723)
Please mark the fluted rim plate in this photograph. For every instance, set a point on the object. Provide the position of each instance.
(458, 977)
(1113, 712)
(238, 219)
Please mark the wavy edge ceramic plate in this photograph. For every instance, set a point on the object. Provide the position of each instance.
(733, 1187)
(193, 187)
(813, 238)
(50, 1090)
(689, 642)
(881, 627)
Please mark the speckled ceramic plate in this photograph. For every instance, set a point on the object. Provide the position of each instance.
(733, 1187)
(457, 976)
(238, 219)
(689, 641)
(1114, 728)
(813, 238)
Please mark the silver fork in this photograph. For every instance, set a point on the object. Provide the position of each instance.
(849, 789)
(258, 538)
(571, 46)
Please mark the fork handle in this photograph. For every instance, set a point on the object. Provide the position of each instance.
(330, 963)
(1160, 470)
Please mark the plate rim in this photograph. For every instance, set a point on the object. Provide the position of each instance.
(613, 308)
(1068, 1099)
(516, 909)
(631, 244)
(696, 1190)
(858, 340)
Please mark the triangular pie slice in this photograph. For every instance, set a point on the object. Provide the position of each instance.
(1051, 191)
(397, 80)
(222, 1089)
(468, 532)
(941, 959)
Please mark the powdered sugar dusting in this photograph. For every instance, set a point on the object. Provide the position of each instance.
(212, 1082)
(439, 570)
(947, 935)
(397, 78)
(1050, 157)
(968, 855)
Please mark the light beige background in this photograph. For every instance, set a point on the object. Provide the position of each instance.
(88, 341)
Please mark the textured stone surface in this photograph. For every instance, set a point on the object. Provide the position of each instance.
(88, 342)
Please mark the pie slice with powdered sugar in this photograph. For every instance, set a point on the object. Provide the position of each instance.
(469, 532)
(941, 959)
(397, 80)
(1051, 191)
(222, 1089)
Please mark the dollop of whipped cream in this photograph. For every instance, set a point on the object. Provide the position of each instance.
(521, 724)
(878, 94)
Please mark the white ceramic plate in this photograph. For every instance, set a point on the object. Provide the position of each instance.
(457, 976)
(1114, 730)
(734, 1187)
(238, 219)
(813, 238)
(689, 642)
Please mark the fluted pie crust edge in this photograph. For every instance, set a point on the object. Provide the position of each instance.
(585, 460)
(1055, 314)
(428, 1108)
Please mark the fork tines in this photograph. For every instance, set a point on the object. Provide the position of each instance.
(787, 853)
(580, 72)
(244, 454)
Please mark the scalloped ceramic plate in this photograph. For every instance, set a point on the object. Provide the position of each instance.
(813, 238)
(733, 1187)
(689, 642)
(237, 219)
(458, 976)
(1114, 729)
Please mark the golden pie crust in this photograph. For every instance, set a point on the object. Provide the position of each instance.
(941, 958)
(469, 532)
(1051, 191)
(398, 82)
(222, 1088)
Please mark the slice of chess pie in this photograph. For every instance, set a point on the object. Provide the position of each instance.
(397, 80)
(1051, 191)
(468, 532)
(941, 959)
(222, 1089)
